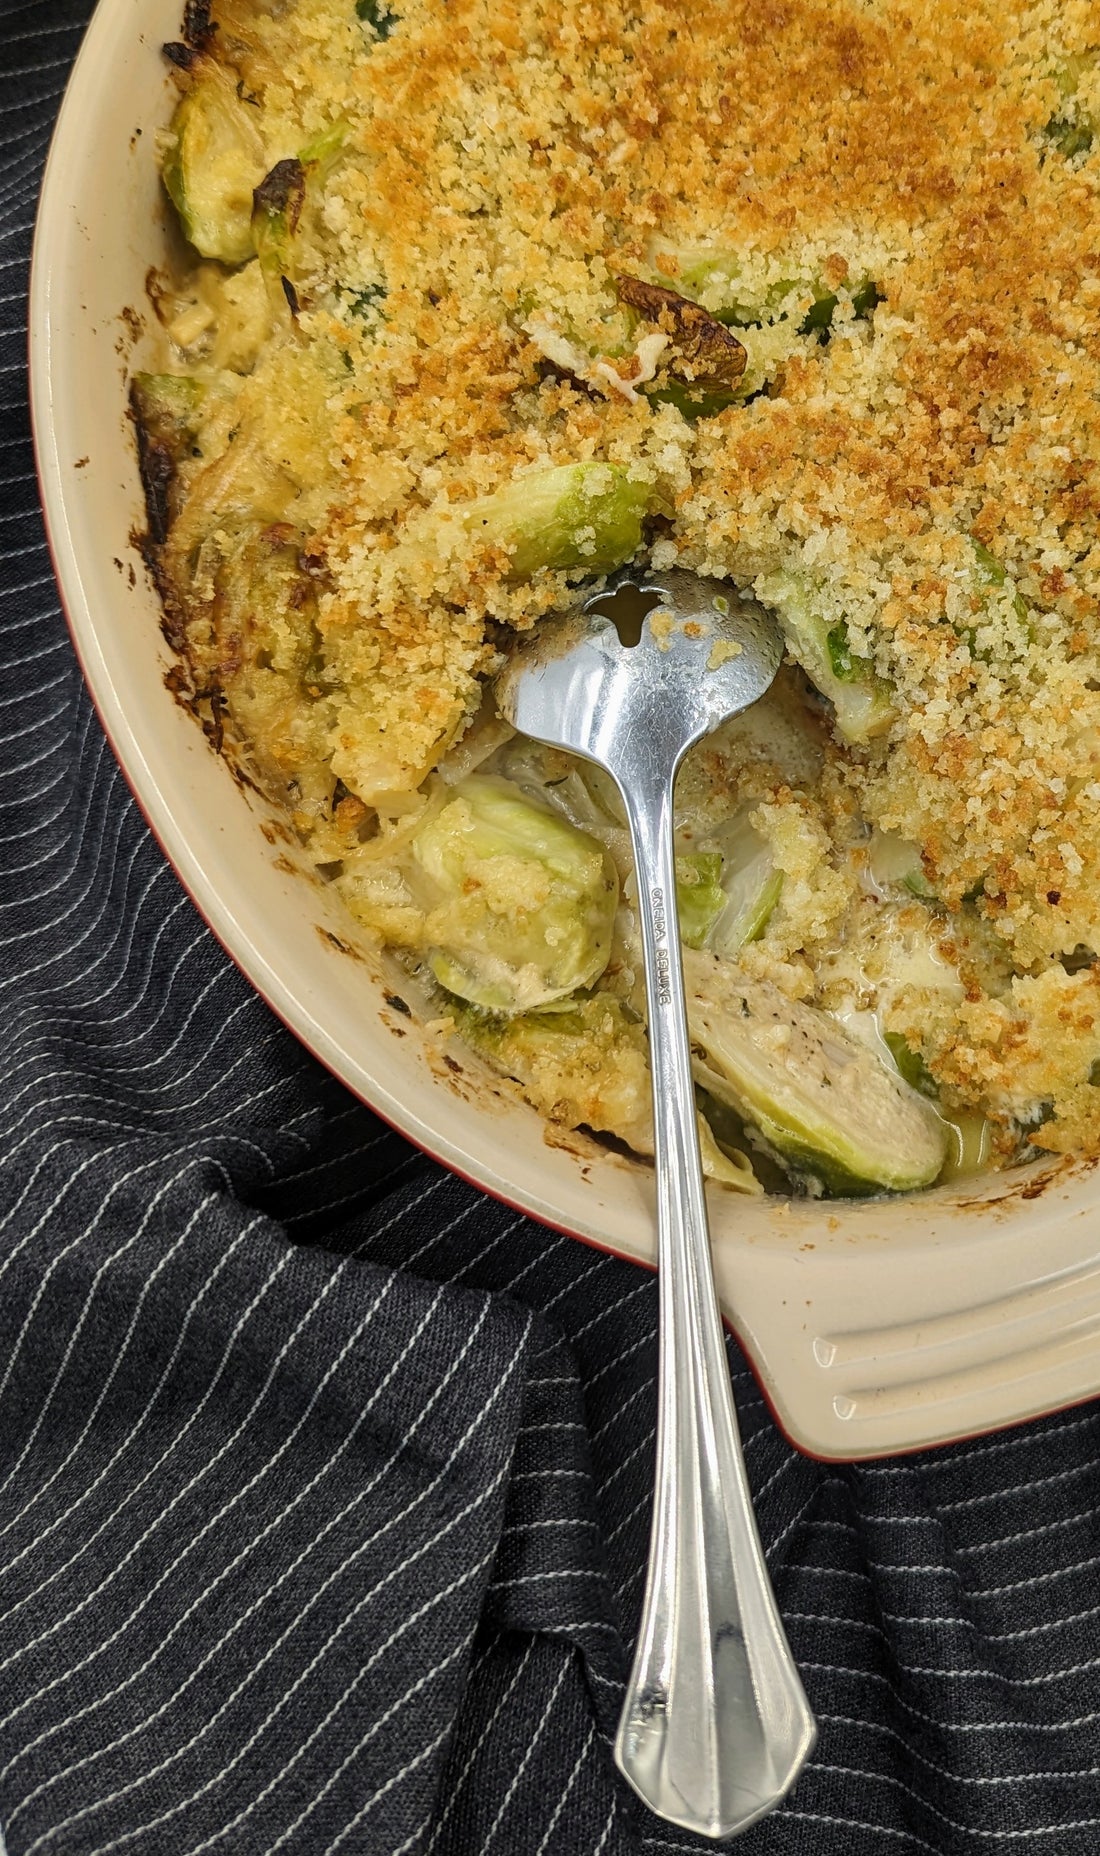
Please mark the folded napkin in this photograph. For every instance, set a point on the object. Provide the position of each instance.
(325, 1481)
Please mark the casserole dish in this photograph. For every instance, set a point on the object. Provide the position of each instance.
(873, 1327)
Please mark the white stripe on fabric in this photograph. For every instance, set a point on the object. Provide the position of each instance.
(985, 1781)
(891, 1780)
(410, 1765)
(458, 1783)
(563, 1799)
(282, 1263)
(376, 1725)
(116, 1361)
(217, 1778)
(393, 1573)
(135, 1237)
(611, 1815)
(543, 1722)
(135, 1430)
(264, 1596)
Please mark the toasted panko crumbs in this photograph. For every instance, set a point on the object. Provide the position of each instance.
(927, 466)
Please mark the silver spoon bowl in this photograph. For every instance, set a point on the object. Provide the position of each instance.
(715, 1727)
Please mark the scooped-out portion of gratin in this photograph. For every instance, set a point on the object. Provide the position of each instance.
(478, 301)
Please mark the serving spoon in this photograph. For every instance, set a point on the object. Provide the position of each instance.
(715, 1726)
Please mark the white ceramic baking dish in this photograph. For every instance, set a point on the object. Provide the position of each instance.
(872, 1327)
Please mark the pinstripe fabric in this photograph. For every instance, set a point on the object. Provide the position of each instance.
(323, 1482)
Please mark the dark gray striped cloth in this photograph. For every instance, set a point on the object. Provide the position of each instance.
(324, 1482)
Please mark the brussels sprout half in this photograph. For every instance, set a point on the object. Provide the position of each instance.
(520, 903)
(862, 701)
(213, 160)
(824, 1104)
(574, 515)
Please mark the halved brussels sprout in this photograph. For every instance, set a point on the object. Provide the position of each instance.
(575, 515)
(520, 903)
(824, 1104)
(726, 883)
(276, 209)
(863, 703)
(213, 160)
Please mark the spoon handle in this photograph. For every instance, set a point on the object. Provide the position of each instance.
(715, 1725)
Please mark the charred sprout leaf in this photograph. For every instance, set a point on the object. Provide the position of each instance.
(377, 15)
(575, 515)
(702, 351)
(277, 208)
(823, 1103)
(213, 162)
(198, 27)
(181, 56)
(167, 410)
(522, 903)
(716, 279)
(861, 699)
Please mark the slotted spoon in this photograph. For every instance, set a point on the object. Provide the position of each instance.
(715, 1727)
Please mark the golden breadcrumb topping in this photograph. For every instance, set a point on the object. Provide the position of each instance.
(890, 212)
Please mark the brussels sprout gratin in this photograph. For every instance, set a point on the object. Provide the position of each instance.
(480, 300)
